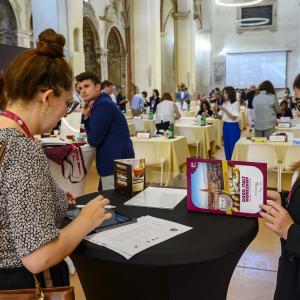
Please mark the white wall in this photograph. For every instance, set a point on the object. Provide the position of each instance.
(224, 35)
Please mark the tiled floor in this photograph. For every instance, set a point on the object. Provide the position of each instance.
(255, 276)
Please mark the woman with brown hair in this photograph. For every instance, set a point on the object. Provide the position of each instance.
(265, 108)
(38, 84)
(166, 112)
(285, 111)
(229, 112)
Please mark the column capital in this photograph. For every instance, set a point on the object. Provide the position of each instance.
(104, 51)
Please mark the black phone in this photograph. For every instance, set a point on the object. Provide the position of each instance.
(116, 220)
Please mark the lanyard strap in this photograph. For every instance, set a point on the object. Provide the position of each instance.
(10, 115)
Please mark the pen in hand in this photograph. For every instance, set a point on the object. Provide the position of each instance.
(106, 206)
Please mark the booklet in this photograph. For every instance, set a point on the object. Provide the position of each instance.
(226, 187)
(129, 175)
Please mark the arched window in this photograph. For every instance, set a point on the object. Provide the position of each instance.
(116, 61)
(91, 47)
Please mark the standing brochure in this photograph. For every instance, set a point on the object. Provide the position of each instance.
(129, 175)
(226, 187)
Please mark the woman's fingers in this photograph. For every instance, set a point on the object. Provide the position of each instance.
(269, 218)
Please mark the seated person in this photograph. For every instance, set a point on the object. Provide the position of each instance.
(215, 110)
(166, 112)
(154, 101)
(284, 110)
(182, 105)
(205, 108)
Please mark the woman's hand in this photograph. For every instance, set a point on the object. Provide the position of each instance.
(70, 197)
(94, 211)
(276, 218)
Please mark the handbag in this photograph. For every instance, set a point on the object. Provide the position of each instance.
(54, 293)
(37, 293)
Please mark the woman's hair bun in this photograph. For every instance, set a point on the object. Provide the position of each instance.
(50, 43)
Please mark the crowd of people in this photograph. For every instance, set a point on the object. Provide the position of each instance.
(37, 93)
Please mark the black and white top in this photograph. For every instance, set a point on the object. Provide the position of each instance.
(32, 206)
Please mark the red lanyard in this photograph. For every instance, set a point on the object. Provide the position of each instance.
(10, 115)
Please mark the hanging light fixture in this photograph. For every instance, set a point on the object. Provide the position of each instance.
(252, 21)
(239, 4)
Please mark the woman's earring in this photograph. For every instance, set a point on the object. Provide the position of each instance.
(48, 110)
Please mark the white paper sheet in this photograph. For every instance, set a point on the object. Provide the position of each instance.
(131, 239)
(158, 198)
(53, 142)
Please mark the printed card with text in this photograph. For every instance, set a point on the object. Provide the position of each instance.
(129, 175)
(226, 187)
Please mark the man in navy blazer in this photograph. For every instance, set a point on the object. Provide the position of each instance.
(183, 94)
(105, 125)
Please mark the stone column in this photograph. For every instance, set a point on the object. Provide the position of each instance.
(24, 38)
(103, 63)
(146, 44)
(185, 31)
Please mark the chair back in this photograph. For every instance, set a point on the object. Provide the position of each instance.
(189, 133)
(264, 154)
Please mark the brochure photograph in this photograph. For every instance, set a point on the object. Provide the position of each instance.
(226, 187)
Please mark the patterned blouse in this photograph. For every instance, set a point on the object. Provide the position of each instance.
(32, 206)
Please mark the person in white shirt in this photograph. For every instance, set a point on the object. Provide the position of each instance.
(182, 105)
(230, 112)
(113, 94)
(166, 112)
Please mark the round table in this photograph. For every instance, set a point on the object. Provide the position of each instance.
(197, 264)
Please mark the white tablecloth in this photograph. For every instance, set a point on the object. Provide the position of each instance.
(77, 189)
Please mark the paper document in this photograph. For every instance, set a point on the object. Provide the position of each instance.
(53, 142)
(158, 198)
(133, 238)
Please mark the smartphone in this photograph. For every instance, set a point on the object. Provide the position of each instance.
(116, 220)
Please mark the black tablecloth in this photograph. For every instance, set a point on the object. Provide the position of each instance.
(212, 236)
(197, 264)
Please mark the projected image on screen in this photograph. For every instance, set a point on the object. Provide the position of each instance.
(245, 69)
